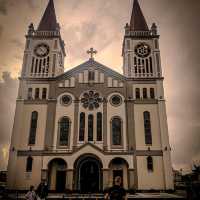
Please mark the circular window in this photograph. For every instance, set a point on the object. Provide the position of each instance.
(91, 100)
(142, 50)
(116, 100)
(66, 100)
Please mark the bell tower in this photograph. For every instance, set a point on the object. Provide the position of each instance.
(44, 51)
(140, 51)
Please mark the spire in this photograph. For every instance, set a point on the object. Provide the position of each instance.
(48, 21)
(138, 22)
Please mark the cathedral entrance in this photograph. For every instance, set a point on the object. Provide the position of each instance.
(89, 175)
(57, 175)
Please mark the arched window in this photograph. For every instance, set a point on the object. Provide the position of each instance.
(33, 128)
(99, 126)
(150, 163)
(152, 93)
(82, 127)
(117, 131)
(64, 130)
(44, 93)
(90, 127)
(91, 75)
(151, 65)
(145, 93)
(147, 128)
(137, 93)
(37, 93)
(29, 164)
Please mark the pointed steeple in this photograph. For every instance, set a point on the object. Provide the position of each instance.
(48, 21)
(138, 22)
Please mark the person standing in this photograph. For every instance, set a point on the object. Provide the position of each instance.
(31, 195)
(116, 192)
(42, 191)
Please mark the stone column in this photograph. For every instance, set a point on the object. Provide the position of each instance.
(105, 145)
(131, 181)
(69, 179)
(50, 124)
(105, 178)
(76, 132)
(50, 119)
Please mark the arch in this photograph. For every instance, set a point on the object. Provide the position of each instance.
(88, 173)
(119, 167)
(64, 128)
(137, 93)
(44, 93)
(29, 164)
(99, 126)
(37, 93)
(150, 163)
(57, 174)
(147, 127)
(144, 93)
(82, 127)
(118, 160)
(116, 130)
(33, 128)
(152, 93)
(90, 127)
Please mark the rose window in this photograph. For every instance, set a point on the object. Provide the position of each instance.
(142, 50)
(91, 100)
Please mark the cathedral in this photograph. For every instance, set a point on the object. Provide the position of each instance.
(77, 130)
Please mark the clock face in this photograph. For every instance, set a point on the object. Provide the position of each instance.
(41, 50)
(142, 50)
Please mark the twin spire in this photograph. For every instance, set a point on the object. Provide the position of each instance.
(49, 21)
(138, 22)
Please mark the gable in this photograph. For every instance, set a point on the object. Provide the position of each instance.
(91, 72)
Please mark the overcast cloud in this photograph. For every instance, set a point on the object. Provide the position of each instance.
(100, 23)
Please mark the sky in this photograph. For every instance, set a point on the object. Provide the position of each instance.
(100, 24)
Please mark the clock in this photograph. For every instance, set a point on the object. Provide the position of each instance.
(142, 50)
(41, 50)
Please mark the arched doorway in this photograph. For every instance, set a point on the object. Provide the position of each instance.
(88, 174)
(57, 175)
(119, 167)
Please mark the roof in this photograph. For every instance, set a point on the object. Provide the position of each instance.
(92, 63)
(138, 22)
(49, 21)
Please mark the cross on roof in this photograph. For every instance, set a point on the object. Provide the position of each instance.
(92, 51)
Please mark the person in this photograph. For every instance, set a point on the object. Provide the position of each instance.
(31, 195)
(42, 191)
(116, 192)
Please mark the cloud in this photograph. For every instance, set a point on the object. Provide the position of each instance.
(18, 43)
(3, 7)
(8, 94)
(1, 30)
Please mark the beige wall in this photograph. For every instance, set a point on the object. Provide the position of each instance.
(64, 111)
(150, 180)
(113, 111)
(139, 126)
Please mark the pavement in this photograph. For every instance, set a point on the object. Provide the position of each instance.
(136, 196)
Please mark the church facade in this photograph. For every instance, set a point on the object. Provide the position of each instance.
(80, 129)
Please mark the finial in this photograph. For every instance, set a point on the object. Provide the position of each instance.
(92, 52)
(154, 29)
(31, 29)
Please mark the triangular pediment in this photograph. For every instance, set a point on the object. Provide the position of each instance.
(90, 148)
(92, 65)
(100, 73)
